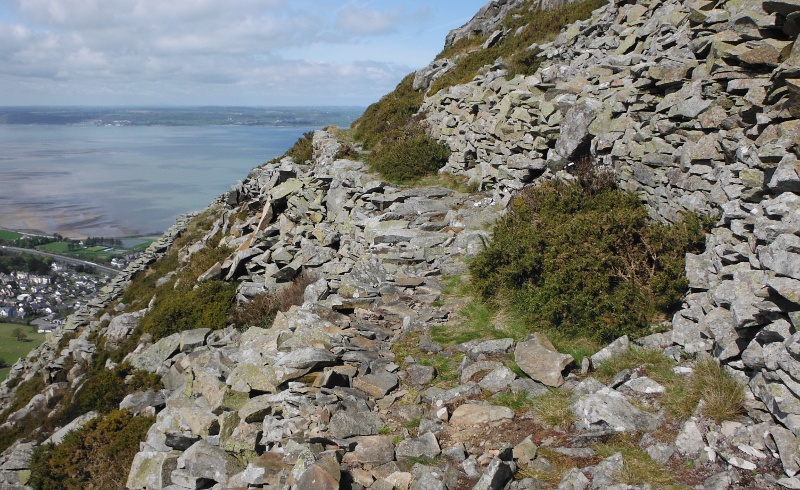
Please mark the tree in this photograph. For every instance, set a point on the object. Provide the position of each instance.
(3, 363)
(20, 335)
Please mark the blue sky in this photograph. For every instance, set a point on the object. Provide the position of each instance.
(217, 52)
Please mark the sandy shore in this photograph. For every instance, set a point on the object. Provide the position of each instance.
(66, 222)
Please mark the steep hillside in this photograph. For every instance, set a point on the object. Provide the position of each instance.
(322, 325)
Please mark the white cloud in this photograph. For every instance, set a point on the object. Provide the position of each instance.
(364, 21)
(223, 51)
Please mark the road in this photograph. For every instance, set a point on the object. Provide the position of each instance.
(69, 260)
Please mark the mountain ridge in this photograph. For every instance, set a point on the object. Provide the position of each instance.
(692, 105)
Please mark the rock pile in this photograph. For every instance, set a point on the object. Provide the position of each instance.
(694, 106)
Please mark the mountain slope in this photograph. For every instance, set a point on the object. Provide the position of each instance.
(343, 365)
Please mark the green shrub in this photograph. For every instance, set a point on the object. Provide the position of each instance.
(408, 154)
(583, 258)
(393, 111)
(185, 308)
(302, 150)
(104, 389)
(98, 456)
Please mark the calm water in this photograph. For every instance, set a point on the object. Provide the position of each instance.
(123, 181)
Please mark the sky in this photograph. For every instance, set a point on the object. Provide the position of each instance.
(217, 52)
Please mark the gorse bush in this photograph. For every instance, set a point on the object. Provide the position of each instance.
(408, 154)
(184, 308)
(98, 456)
(585, 261)
(302, 150)
(401, 149)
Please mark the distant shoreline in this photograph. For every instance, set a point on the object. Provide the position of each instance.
(74, 236)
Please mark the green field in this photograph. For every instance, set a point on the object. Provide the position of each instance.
(54, 247)
(9, 235)
(11, 349)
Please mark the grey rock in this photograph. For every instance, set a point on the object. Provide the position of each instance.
(487, 347)
(788, 450)
(140, 401)
(472, 414)
(574, 135)
(783, 256)
(539, 359)
(660, 452)
(152, 357)
(307, 358)
(497, 474)
(346, 424)
(608, 408)
(644, 385)
(377, 384)
(618, 347)
(719, 481)
(690, 441)
(605, 472)
(497, 380)
(420, 375)
(58, 436)
(151, 469)
(373, 450)
(120, 326)
(192, 339)
(574, 479)
(203, 460)
(426, 446)
(531, 388)
(588, 386)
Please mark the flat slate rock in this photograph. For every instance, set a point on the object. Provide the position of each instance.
(470, 414)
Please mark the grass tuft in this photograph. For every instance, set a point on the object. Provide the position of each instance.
(554, 408)
(723, 397)
(638, 467)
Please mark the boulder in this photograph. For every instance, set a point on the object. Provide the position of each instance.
(472, 414)
(618, 347)
(152, 357)
(346, 424)
(609, 409)
(541, 361)
(203, 460)
(424, 446)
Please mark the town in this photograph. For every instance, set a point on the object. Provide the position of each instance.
(44, 300)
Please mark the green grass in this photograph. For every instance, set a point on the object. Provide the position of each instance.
(11, 349)
(54, 247)
(638, 467)
(476, 323)
(9, 235)
(722, 395)
(656, 365)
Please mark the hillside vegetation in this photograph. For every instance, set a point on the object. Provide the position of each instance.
(401, 149)
(582, 258)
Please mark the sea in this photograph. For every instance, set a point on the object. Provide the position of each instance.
(106, 180)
